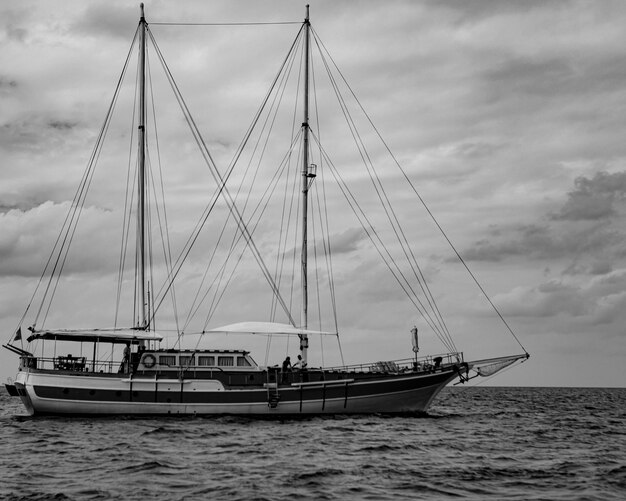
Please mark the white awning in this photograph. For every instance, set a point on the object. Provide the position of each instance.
(96, 335)
(267, 328)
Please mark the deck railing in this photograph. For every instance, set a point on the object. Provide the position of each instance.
(70, 363)
(419, 364)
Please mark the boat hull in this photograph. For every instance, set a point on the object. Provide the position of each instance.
(50, 393)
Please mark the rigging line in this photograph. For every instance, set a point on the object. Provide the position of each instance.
(227, 24)
(297, 183)
(196, 303)
(221, 181)
(388, 207)
(192, 311)
(267, 195)
(362, 151)
(257, 116)
(284, 79)
(70, 217)
(128, 200)
(135, 318)
(240, 150)
(326, 230)
(406, 247)
(431, 214)
(289, 200)
(285, 225)
(283, 245)
(281, 256)
(406, 284)
(163, 236)
(149, 236)
(324, 238)
(317, 278)
(282, 251)
(378, 244)
(75, 217)
(269, 119)
(500, 372)
(165, 239)
(137, 284)
(80, 201)
(237, 237)
(253, 245)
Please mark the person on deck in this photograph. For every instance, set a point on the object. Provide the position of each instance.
(126, 360)
(286, 368)
(300, 364)
(136, 357)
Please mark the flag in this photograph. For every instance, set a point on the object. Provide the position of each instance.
(18, 334)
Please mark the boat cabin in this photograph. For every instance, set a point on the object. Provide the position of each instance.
(160, 360)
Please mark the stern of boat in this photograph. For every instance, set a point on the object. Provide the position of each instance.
(21, 391)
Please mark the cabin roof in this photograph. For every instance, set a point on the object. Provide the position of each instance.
(200, 352)
(119, 336)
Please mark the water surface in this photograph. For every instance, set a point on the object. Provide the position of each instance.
(475, 443)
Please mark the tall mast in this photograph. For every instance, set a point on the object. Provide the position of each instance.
(304, 342)
(141, 182)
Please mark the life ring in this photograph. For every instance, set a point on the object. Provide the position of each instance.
(149, 361)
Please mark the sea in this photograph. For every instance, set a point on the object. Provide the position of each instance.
(475, 443)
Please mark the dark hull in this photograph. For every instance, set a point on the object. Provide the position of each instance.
(47, 392)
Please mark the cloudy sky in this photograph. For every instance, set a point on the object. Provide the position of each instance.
(508, 116)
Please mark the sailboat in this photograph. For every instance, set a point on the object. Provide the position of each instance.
(127, 370)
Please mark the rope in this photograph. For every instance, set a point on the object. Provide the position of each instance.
(222, 190)
(389, 211)
(508, 327)
(61, 246)
(227, 24)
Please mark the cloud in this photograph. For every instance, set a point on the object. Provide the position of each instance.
(485, 9)
(548, 299)
(594, 302)
(26, 238)
(346, 241)
(595, 198)
(493, 108)
(108, 20)
(584, 228)
(7, 85)
(543, 242)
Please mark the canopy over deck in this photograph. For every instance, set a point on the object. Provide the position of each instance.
(267, 328)
(119, 336)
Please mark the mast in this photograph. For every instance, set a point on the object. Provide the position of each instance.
(304, 341)
(141, 182)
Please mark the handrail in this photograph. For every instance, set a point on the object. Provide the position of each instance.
(420, 363)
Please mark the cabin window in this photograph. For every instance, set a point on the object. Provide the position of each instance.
(186, 360)
(206, 361)
(225, 361)
(167, 359)
(243, 362)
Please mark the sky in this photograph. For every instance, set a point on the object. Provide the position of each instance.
(507, 116)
